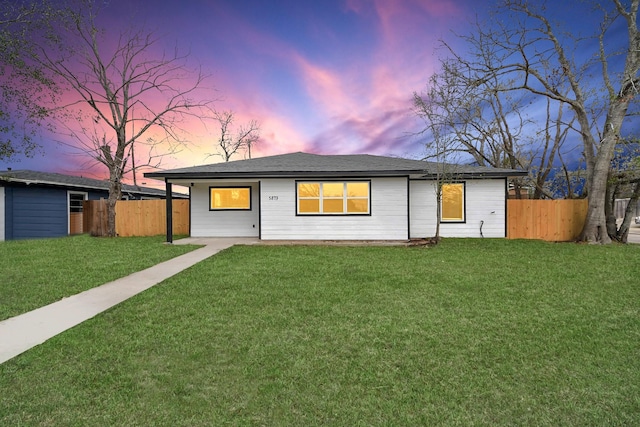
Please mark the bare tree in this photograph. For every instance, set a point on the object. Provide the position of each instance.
(490, 124)
(442, 144)
(539, 57)
(106, 76)
(233, 141)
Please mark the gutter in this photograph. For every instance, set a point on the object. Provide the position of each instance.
(345, 174)
(83, 186)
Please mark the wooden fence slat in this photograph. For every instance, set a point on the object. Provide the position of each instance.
(75, 223)
(136, 217)
(94, 218)
(552, 220)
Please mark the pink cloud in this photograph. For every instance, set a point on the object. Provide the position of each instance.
(308, 99)
(327, 88)
(361, 90)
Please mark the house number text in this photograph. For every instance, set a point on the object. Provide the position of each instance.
(273, 197)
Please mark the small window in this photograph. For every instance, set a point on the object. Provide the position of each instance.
(75, 202)
(333, 198)
(229, 198)
(453, 202)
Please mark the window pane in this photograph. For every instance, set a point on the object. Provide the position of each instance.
(357, 189)
(333, 197)
(357, 206)
(75, 202)
(332, 189)
(453, 202)
(333, 205)
(308, 189)
(309, 206)
(230, 198)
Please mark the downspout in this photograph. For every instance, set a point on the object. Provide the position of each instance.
(408, 208)
(259, 210)
(169, 204)
(506, 209)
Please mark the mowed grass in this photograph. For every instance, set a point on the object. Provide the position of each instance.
(472, 332)
(34, 273)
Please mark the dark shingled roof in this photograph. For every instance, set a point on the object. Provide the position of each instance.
(304, 164)
(77, 182)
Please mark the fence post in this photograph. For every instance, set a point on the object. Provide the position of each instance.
(169, 203)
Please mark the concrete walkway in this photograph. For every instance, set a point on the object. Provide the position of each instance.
(19, 334)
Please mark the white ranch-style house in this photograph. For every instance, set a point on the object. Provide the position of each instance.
(301, 196)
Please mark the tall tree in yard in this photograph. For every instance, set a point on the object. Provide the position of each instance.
(120, 89)
(595, 77)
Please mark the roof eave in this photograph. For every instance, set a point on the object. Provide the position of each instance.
(52, 183)
(73, 185)
(472, 175)
(296, 174)
(293, 174)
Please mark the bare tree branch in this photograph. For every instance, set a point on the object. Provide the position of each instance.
(121, 95)
(242, 140)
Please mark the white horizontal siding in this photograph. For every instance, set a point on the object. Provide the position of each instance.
(423, 208)
(485, 203)
(388, 219)
(2, 220)
(207, 223)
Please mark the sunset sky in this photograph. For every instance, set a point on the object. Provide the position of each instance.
(320, 76)
(330, 76)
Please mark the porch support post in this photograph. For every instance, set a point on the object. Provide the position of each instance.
(169, 204)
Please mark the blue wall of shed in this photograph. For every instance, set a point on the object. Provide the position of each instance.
(33, 212)
(97, 195)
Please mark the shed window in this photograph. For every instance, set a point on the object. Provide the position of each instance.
(230, 198)
(75, 201)
(453, 202)
(333, 198)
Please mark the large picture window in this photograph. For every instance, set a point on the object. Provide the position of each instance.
(229, 198)
(453, 202)
(333, 198)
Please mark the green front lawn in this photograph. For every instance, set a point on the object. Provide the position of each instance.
(34, 273)
(472, 332)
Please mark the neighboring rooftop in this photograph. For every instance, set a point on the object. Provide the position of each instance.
(29, 177)
(299, 164)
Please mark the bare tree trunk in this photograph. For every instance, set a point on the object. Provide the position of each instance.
(115, 194)
(595, 226)
(622, 233)
(609, 209)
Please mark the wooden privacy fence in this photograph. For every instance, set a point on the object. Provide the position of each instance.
(552, 220)
(136, 217)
